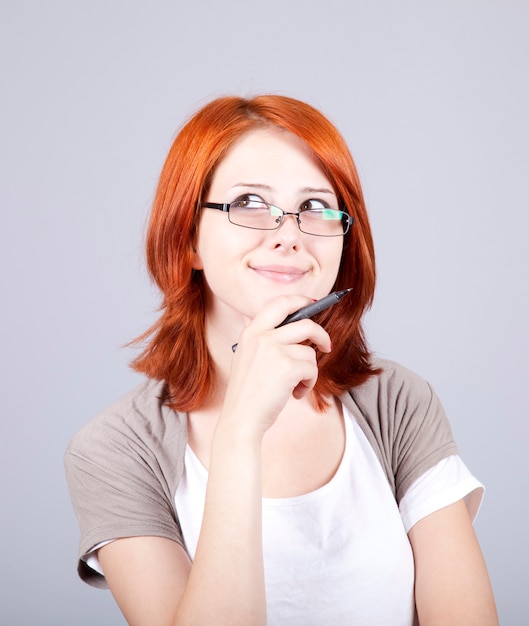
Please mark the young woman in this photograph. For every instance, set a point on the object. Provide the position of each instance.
(294, 480)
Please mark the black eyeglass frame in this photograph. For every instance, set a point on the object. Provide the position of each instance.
(225, 207)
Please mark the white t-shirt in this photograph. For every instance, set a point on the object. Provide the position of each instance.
(340, 554)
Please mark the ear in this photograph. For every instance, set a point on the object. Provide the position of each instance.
(196, 260)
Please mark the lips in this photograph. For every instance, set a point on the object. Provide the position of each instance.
(280, 273)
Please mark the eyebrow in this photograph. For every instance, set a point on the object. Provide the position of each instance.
(303, 190)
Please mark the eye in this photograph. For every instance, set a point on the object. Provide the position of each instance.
(313, 204)
(248, 201)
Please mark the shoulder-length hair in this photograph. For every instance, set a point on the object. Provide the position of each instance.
(175, 349)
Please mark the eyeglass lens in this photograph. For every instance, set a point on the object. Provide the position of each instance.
(259, 215)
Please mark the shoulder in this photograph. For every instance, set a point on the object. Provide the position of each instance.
(392, 380)
(137, 438)
(140, 415)
(123, 468)
(395, 397)
(390, 398)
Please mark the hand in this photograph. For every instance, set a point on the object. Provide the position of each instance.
(272, 364)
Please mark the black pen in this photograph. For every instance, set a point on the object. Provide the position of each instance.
(311, 309)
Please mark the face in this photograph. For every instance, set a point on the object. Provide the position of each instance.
(245, 268)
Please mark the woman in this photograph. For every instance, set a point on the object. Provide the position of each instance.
(294, 479)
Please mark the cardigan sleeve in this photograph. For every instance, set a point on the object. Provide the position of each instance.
(122, 469)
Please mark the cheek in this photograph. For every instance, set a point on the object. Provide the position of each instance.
(221, 248)
(333, 264)
(331, 257)
(209, 239)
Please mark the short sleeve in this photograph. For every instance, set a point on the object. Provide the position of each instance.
(447, 482)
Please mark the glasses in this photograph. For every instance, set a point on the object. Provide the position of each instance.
(260, 215)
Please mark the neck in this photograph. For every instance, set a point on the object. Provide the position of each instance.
(220, 341)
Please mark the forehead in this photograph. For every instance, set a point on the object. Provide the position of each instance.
(269, 153)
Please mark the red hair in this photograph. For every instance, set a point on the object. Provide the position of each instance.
(176, 350)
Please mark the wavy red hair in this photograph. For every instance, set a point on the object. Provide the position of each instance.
(176, 349)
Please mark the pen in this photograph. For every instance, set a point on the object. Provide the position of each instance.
(311, 309)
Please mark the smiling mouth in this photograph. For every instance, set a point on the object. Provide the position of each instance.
(279, 273)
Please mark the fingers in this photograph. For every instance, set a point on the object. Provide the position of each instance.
(265, 374)
(273, 364)
(304, 331)
(275, 312)
(293, 367)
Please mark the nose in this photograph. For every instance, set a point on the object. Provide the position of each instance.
(287, 236)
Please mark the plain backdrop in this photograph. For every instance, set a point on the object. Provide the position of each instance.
(433, 100)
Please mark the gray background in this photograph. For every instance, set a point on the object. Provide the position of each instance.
(432, 98)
